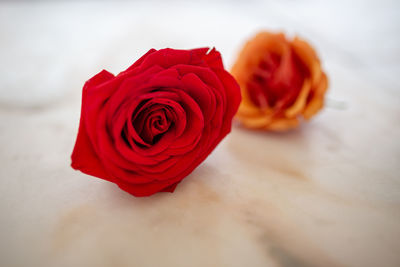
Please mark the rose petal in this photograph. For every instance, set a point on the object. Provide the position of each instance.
(140, 60)
(301, 100)
(143, 190)
(84, 156)
(213, 59)
(283, 124)
(317, 102)
(167, 58)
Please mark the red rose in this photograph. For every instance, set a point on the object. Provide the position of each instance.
(148, 127)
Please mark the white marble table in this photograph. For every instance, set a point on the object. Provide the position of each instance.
(327, 194)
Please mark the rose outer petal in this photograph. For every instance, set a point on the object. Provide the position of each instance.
(140, 60)
(233, 97)
(167, 58)
(143, 190)
(213, 59)
(84, 157)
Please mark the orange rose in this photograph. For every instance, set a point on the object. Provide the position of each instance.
(280, 80)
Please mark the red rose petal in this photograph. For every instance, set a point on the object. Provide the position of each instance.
(214, 59)
(84, 157)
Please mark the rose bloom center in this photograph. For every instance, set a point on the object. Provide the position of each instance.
(152, 123)
(276, 80)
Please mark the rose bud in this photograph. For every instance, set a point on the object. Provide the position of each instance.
(280, 80)
(148, 127)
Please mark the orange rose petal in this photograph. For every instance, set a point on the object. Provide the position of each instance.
(256, 122)
(253, 51)
(308, 56)
(275, 43)
(283, 124)
(317, 102)
(247, 108)
(298, 106)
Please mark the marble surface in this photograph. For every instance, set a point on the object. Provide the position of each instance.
(326, 194)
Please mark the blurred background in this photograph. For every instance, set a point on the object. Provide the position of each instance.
(346, 212)
(49, 48)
